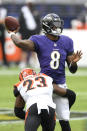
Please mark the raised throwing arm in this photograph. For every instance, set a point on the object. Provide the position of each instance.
(24, 44)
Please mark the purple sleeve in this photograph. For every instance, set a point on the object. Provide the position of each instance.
(33, 38)
(70, 49)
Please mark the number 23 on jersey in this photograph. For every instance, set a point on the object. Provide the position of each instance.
(39, 82)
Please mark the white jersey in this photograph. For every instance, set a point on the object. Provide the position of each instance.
(37, 89)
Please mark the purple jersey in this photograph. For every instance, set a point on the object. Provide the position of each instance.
(52, 55)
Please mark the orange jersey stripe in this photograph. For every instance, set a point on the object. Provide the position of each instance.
(26, 114)
(17, 84)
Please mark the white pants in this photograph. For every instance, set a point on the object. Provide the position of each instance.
(62, 106)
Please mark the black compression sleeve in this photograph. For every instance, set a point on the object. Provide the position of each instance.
(73, 68)
(19, 112)
(71, 95)
(15, 92)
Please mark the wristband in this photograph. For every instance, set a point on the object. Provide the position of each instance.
(11, 33)
(70, 64)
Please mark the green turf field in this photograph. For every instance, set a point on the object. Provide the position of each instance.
(77, 82)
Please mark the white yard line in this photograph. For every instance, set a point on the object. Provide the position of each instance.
(7, 110)
(11, 122)
(21, 121)
(79, 118)
(8, 72)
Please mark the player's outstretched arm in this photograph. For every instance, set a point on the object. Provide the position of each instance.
(59, 91)
(71, 95)
(12, 26)
(24, 44)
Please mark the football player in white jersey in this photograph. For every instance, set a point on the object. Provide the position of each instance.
(35, 90)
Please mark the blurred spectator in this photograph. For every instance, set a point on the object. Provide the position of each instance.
(81, 21)
(3, 14)
(29, 25)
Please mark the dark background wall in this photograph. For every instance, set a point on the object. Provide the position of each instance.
(66, 12)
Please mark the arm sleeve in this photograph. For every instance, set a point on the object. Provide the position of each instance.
(70, 48)
(72, 68)
(16, 90)
(32, 38)
(19, 112)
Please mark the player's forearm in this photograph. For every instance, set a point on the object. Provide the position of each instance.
(16, 40)
(72, 66)
(59, 91)
(19, 106)
(71, 95)
(67, 93)
(24, 44)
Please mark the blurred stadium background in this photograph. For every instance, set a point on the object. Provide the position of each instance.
(68, 10)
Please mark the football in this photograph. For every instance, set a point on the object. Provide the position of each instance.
(11, 23)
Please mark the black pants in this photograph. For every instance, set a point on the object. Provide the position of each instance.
(45, 119)
(2, 40)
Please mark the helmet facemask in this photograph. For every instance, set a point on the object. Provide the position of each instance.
(56, 30)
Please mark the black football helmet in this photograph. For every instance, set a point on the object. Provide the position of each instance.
(52, 24)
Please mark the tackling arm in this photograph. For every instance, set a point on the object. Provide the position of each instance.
(59, 91)
(71, 95)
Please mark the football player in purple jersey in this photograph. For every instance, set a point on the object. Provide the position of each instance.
(53, 50)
